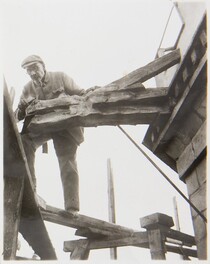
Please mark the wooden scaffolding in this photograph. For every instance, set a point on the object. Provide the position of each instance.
(124, 101)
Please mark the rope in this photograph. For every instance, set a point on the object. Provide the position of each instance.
(164, 175)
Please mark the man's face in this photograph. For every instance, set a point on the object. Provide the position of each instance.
(36, 72)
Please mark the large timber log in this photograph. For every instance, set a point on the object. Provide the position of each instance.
(99, 108)
(124, 101)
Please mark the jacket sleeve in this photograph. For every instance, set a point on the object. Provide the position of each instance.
(25, 99)
(71, 87)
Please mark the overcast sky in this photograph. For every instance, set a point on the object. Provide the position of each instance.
(95, 42)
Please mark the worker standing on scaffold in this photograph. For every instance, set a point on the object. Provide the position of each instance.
(45, 86)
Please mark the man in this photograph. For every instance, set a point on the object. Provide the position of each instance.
(45, 86)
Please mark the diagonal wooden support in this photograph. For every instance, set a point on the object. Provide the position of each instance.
(21, 212)
(150, 70)
(124, 101)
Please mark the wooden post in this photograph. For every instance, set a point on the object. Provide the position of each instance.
(177, 225)
(156, 244)
(80, 252)
(111, 202)
(154, 224)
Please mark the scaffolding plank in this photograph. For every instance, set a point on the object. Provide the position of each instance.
(58, 216)
(16, 168)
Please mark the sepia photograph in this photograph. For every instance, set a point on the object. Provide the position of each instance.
(104, 131)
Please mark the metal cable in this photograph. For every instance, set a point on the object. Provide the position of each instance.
(164, 175)
(166, 27)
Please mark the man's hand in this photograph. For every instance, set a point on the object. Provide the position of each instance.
(91, 89)
(23, 104)
(33, 102)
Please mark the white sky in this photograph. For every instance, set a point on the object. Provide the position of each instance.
(95, 42)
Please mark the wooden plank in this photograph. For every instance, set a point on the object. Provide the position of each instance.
(192, 151)
(62, 217)
(136, 239)
(31, 224)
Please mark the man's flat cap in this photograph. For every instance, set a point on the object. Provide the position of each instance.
(32, 59)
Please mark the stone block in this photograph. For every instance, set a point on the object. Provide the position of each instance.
(192, 151)
(194, 57)
(192, 183)
(199, 141)
(201, 172)
(200, 228)
(200, 106)
(199, 199)
(203, 38)
(202, 249)
(185, 74)
(185, 159)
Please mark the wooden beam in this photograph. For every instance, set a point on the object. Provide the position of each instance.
(150, 70)
(99, 97)
(136, 239)
(62, 217)
(182, 251)
(92, 233)
(184, 238)
(139, 239)
(99, 108)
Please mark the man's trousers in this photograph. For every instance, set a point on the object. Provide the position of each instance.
(65, 148)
